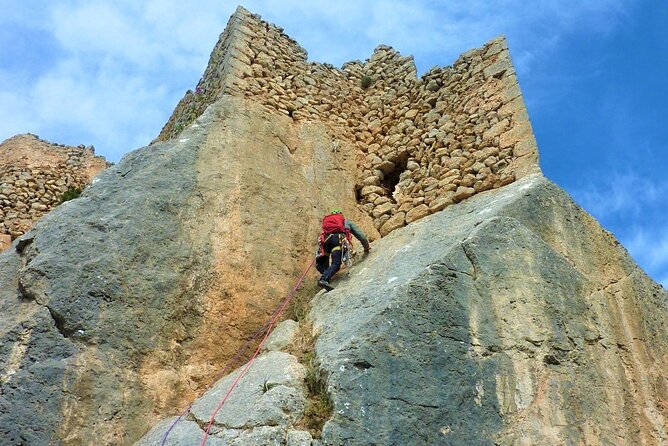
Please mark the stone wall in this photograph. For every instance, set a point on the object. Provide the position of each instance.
(34, 176)
(422, 143)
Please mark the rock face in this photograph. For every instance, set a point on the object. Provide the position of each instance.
(513, 319)
(34, 176)
(510, 317)
(123, 304)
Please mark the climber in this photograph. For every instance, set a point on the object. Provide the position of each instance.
(336, 231)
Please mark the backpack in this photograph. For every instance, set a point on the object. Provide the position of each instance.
(333, 223)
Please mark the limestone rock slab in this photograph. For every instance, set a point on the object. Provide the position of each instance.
(270, 394)
(488, 323)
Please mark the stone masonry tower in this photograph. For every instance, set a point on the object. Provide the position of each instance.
(422, 144)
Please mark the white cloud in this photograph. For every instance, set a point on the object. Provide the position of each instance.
(120, 66)
(618, 193)
(101, 28)
(649, 247)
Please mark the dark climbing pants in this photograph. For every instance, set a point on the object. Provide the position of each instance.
(332, 249)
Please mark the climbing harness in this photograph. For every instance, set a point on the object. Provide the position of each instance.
(345, 247)
(264, 330)
(346, 250)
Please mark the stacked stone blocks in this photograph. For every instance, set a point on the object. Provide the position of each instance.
(422, 143)
(31, 188)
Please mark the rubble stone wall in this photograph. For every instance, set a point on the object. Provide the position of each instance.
(422, 143)
(34, 176)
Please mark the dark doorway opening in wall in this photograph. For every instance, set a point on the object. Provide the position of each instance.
(392, 177)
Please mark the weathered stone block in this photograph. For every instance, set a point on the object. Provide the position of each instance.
(525, 147)
(442, 202)
(519, 132)
(411, 114)
(495, 47)
(396, 221)
(462, 193)
(384, 208)
(502, 67)
(380, 221)
(417, 213)
(496, 130)
(368, 190)
(386, 166)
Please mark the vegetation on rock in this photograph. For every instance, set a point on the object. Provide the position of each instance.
(366, 82)
(70, 194)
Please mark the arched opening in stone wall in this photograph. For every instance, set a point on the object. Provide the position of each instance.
(393, 173)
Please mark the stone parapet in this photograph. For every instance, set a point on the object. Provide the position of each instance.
(34, 176)
(422, 143)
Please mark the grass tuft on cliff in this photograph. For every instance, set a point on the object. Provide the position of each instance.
(70, 194)
(319, 405)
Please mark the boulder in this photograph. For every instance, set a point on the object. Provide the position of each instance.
(479, 323)
(266, 401)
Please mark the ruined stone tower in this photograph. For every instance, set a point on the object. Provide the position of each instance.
(421, 144)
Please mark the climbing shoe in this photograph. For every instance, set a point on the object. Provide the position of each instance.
(324, 284)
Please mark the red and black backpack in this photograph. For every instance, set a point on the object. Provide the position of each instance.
(333, 224)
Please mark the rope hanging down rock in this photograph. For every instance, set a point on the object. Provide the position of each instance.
(266, 330)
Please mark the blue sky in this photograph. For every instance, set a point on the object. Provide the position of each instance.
(594, 76)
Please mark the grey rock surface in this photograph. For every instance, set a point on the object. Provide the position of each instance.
(183, 433)
(269, 394)
(88, 292)
(503, 320)
(267, 400)
(282, 336)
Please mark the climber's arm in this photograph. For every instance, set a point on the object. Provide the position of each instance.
(359, 235)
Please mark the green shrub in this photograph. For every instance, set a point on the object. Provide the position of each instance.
(366, 82)
(70, 194)
(319, 405)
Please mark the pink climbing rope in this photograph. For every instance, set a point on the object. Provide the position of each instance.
(222, 373)
(257, 351)
(266, 330)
